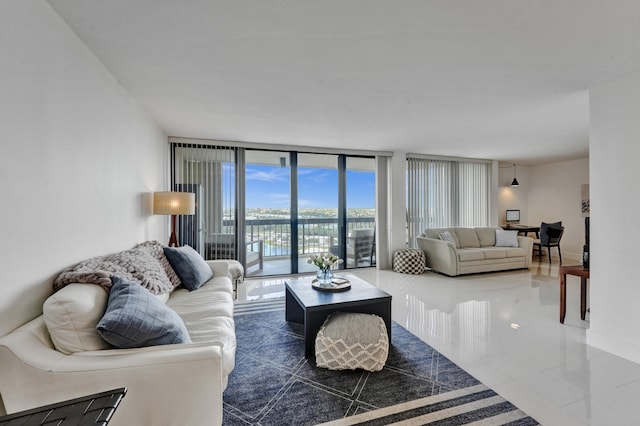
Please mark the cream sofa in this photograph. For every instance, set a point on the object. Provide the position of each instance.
(473, 251)
(175, 384)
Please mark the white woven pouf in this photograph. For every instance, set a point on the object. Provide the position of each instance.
(409, 261)
(347, 341)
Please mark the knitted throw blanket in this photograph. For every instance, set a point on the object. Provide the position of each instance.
(145, 264)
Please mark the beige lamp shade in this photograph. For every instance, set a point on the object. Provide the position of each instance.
(174, 203)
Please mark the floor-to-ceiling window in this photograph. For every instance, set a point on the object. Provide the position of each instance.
(267, 212)
(360, 181)
(318, 195)
(272, 209)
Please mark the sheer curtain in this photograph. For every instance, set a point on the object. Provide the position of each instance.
(446, 193)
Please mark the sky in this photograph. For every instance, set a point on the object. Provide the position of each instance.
(268, 187)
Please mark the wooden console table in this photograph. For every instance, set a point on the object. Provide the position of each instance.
(578, 271)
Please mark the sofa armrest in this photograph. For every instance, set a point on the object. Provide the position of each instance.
(219, 267)
(158, 379)
(527, 244)
(137, 359)
(440, 255)
(146, 349)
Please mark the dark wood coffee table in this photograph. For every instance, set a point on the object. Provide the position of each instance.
(310, 307)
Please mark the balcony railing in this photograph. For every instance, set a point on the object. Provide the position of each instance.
(315, 235)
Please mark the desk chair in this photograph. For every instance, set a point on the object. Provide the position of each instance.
(550, 236)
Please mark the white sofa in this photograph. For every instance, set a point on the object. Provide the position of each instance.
(473, 251)
(176, 384)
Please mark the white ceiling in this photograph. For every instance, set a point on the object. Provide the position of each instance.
(497, 79)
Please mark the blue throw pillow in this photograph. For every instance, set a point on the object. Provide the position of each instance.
(136, 318)
(191, 268)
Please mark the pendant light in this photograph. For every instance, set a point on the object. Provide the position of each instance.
(515, 181)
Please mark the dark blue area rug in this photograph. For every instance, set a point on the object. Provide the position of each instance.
(273, 384)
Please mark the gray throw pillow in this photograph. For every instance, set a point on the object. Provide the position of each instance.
(191, 268)
(135, 318)
(446, 236)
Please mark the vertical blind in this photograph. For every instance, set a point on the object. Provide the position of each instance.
(209, 172)
(446, 193)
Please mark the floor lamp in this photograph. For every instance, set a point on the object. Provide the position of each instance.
(174, 203)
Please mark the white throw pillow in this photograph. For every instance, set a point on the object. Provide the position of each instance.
(506, 238)
(71, 315)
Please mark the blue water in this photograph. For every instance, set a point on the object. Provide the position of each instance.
(270, 250)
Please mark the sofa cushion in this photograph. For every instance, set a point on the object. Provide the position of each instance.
(433, 232)
(467, 255)
(494, 252)
(467, 238)
(135, 318)
(208, 316)
(189, 265)
(71, 315)
(506, 238)
(486, 236)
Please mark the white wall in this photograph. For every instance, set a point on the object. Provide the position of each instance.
(548, 193)
(79, 158)
(555, 193)
(513, 198)
(615, 248)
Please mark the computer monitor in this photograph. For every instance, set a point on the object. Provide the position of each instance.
(513, 216)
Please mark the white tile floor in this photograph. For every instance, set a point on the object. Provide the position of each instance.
(503, 328)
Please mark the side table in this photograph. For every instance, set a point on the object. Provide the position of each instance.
(95, 409)
(578, 271)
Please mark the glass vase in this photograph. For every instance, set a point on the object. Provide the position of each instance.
(324, 277)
